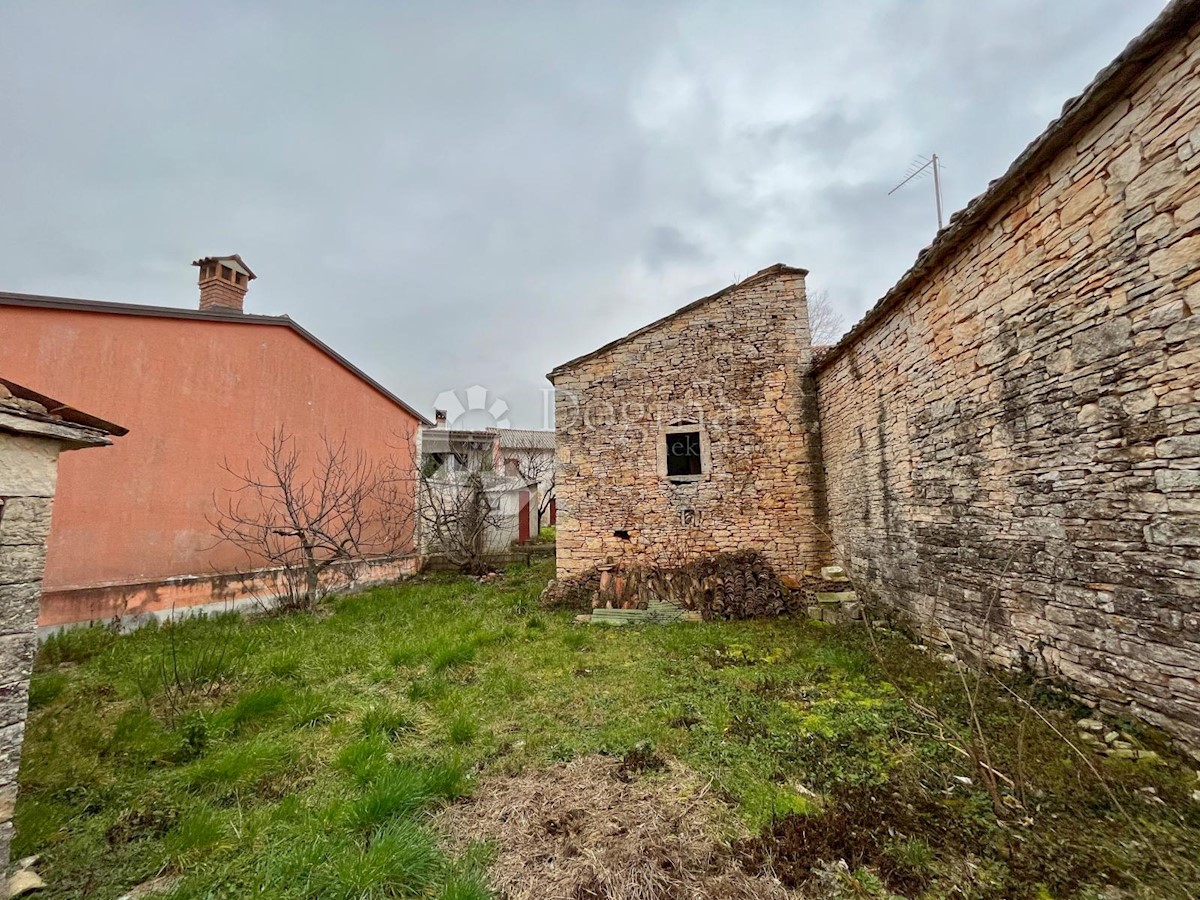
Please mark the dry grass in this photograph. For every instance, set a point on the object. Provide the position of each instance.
(585, 829)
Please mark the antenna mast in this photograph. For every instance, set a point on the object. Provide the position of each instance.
(923, 167)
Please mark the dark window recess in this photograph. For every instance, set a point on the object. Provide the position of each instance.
(683, 454)
(622, 534)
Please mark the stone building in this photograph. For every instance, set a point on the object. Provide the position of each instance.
(1010, 439)
(1012, 435)
(34, 430)
(694, 434)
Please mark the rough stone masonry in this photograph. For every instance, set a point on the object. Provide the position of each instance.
(1006, 449)
(30, 442)
(1012, 437)
(726, 377)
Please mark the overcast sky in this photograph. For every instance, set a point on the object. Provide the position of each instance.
(454, 193)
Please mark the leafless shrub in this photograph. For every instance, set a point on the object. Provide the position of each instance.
(525, 456)
(825, 323)
(458, 517)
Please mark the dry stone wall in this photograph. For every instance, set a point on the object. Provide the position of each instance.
(1013, 451)
(28, 468)
(737, 364)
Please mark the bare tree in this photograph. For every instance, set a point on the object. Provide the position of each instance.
(526, 455)
(314, 516)
(825, 323)
(458, 517)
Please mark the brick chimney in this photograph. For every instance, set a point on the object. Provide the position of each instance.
(224, 281)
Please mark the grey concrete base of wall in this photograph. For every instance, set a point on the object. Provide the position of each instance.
(129, 606)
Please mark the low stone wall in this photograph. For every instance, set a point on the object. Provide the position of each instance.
(1012, 447)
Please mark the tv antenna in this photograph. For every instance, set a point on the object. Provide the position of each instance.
(919, 168)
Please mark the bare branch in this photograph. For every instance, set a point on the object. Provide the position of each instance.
(309, 514)
(825, 324)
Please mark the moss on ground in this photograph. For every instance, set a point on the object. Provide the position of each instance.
(298, 756)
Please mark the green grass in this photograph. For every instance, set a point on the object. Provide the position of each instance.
(302, 760)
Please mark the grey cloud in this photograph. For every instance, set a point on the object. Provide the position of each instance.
(666, 245)
(471, 193)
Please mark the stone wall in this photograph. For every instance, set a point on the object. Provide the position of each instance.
(28, 467)
(732, 363)
(1013, 448)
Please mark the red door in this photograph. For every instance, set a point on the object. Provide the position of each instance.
(523, 519)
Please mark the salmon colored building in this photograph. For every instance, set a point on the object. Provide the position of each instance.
(131, 533)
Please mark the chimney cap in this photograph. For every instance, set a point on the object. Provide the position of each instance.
(233, 261)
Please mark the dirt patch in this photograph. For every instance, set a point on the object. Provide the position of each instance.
(637, 761)
(148, 821)
(860, 827)
(578, 831)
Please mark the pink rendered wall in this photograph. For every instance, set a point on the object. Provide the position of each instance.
(191, 393)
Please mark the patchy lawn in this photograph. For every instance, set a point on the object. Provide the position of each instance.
(302, 756)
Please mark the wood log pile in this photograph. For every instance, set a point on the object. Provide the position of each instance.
(739, 584)
(734, 585)
(572, 593)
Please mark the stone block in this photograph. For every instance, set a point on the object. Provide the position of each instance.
(19, 607)
(14, 702)
(28, 466)
(10, 750)
(836, 598)
(25, 520)
(16, 656)
(22, 563)
(1174, 531)
(6, 835)
(1177, 447)
(1101, 341)
(8, 801)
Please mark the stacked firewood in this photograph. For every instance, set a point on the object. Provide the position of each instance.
(735, 585)
(576, 594)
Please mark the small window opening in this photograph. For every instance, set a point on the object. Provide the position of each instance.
(227, 273)
(622, 534)
(241, 279)
(683, 454)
